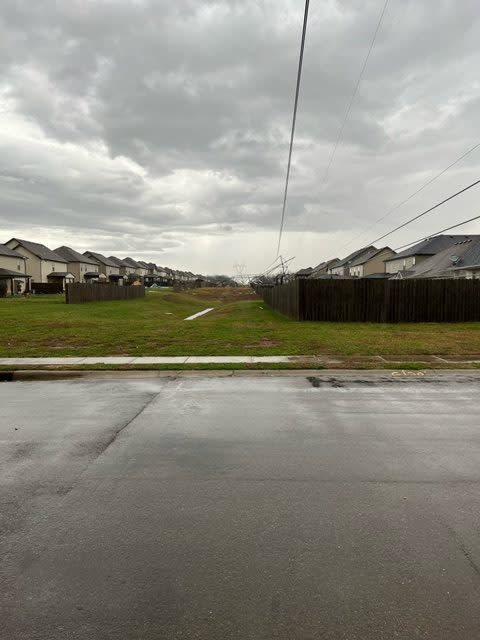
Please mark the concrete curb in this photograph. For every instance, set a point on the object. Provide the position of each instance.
(317, 377)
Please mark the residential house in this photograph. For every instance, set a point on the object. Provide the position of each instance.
(13, 271)
(165, 276)
(407, 260)
(151, 275)
(107, 267)
(126, 270)
(371, 264)
(83, 268)
(44, 265)
(461, 260)
(303, 273)
(322, 268)
(140, 270)
(342, 267)
(130, 268)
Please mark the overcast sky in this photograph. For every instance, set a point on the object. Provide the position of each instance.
(160, 129)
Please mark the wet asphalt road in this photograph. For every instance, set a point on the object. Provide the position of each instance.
(248, 508)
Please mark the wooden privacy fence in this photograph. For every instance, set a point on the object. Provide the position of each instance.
(377, 300)
(77, 292)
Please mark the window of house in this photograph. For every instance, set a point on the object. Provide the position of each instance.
(53, 267)
(19, 266)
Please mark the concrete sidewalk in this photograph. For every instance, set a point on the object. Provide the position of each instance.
(187, 360)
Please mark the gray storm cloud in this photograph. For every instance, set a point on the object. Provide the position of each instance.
(162, 127)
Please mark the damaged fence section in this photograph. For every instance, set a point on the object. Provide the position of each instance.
(366, 300)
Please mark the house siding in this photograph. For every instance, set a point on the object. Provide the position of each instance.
(37, 268)
(47, 266)
(403, 264)
(374, 265)
(34, 266)
(12, 264)
(79, 269)
(18, 265)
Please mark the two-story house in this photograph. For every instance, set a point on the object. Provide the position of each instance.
(460, 260)
(107, 267)
(13, 271)
(139, 269)
(127, 270)
(44, 265)
(321, 270)
(151, 275)
(406, 261)
(342, 267)
(371, 264)
(83, 268)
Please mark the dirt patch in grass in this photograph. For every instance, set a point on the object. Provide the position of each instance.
(55, 343)
(229, 294)
(264, 343)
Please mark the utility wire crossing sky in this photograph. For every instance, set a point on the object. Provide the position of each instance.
(161, 130)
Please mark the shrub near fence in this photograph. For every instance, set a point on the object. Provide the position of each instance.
(377, 300)
(78, 293)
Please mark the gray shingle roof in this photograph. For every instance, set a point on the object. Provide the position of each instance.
(353, 256)
(130, 262)
(430, 246)
(116, 262)
(70, 255)
(6, 273)
(368, 255)
(6, 251)
(459, 255)
(304, 272)
(98, 257)
(323, 266)
(39, 250)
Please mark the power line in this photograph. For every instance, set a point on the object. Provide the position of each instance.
(412, 195)
(354, 94)
(420, 215)
(437, 233)
(272, 263)
(294, 121)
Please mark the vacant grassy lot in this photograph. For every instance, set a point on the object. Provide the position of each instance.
(240, 324)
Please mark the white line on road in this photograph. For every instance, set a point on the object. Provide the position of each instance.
(200, 313)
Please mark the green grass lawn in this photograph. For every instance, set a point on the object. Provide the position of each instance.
(240, 324)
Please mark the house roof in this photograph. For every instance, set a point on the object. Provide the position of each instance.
(60, 274)
(353, 256)
(116, 262)
(70, 255)
(6, 273)
(11, 253)
(324, 266)
(430, 246)
(304, 272)
(130, 262)
(39, 250)
(108, 262)
(368, 255)
(460, 255)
